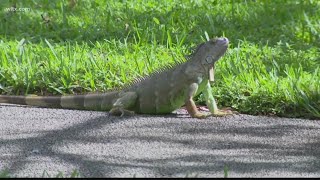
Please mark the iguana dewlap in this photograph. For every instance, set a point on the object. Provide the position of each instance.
(159, 93)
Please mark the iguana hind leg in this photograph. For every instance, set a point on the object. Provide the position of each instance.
(126, 101)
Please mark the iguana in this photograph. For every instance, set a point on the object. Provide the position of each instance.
(159, 93)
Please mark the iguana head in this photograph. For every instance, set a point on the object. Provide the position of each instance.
(212, 50)
(208, 53)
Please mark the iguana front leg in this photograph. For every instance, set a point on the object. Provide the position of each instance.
(126, 101)
(211, 103)
(190, 105)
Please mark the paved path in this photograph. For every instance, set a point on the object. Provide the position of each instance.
(36, 139)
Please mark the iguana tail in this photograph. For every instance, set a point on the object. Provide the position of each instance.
(97, 102)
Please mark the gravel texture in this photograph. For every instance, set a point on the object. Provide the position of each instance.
(34, 140)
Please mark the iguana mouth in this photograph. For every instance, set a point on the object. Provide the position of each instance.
(223, 41)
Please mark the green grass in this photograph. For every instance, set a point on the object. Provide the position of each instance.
(271, 68)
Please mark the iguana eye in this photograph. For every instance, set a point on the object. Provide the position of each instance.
(209, 59)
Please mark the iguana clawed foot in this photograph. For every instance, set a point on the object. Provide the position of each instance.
(222, 112)
(118, 111)
(200, 115)
(217, 113)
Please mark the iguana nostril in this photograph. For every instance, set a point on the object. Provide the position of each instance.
(225, 39)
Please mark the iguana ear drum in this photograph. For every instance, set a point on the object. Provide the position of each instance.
(209, 59)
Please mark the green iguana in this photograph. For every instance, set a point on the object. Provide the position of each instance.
(159, 93)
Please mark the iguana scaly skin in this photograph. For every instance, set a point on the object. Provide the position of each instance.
(159, 93)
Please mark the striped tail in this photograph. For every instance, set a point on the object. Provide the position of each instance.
(41, 101)
(97, 102)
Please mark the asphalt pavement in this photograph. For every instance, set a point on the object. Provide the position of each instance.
(38, 140)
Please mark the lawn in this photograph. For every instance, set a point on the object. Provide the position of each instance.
(69, 47)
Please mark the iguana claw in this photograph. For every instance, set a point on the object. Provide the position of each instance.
(117, 111)
(201, 115)
(224, 112)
